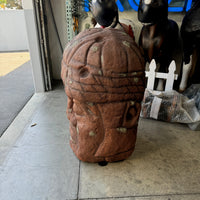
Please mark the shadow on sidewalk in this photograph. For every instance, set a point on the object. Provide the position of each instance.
(16, 88)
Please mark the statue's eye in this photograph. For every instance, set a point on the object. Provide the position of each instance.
(131, 113)
(147, 1)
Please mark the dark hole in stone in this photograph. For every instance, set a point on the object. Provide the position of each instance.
(131, 113)
(102, 163)
(98, 39)
(129, 116)
(67, 73)
(84, 72)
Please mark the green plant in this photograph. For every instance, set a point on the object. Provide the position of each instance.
(17, 4)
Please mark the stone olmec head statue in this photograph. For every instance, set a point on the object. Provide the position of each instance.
(103, 75)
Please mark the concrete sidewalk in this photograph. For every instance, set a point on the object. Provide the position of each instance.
(36, 162)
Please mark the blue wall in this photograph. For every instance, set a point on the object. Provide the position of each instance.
(174, 5)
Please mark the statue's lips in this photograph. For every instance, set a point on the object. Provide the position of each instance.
(101, 89)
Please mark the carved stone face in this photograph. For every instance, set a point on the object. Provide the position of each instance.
(103, 74)
(152, 11)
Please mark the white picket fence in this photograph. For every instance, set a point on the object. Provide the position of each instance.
(170, 76)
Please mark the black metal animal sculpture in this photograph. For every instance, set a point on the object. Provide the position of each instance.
(158, 35)
(105, 13)
(190, 34)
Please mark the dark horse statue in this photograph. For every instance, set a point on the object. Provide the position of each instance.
(190, 34)
(158, 35)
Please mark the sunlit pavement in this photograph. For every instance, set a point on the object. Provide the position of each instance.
(12, 60)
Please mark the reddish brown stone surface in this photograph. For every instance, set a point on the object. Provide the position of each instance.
(103, 75)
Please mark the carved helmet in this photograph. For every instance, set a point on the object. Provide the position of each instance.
(152, 11)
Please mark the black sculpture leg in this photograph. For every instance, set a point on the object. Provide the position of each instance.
(188, 42)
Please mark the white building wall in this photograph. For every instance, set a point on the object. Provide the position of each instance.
(13, 35)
